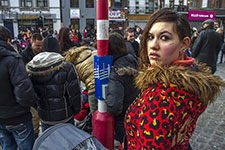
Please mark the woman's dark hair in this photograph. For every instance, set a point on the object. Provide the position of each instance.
(64, 41)
(117, 45)
(5, 34)
(181, 27)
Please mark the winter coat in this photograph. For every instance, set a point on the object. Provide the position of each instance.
(27, 54)
(130, 49)
(56, 83)
(83, 59)
(206, 47)
(17, 93)
(165, 113)
(121, 90)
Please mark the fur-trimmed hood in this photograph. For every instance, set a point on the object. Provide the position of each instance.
(202, 83)
(45, 62)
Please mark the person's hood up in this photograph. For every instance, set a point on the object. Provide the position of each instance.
(45, 62)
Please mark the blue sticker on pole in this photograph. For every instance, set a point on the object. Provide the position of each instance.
(102, 68)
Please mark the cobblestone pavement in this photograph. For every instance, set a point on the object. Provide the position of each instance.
(210, 129)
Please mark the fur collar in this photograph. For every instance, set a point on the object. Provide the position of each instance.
(202, 83)
(45, 63)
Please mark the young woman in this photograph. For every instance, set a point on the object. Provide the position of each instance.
(66, 40)
(175, 89)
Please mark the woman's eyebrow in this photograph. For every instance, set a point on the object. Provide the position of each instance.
(162, 32)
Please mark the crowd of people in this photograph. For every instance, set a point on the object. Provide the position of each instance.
(161, 81)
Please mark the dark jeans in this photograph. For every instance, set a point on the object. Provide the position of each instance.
(46, 126)
(119, 130)
(19, 137)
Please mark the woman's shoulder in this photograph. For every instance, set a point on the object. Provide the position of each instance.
(199, 82)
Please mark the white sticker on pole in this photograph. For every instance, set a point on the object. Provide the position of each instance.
(102, 29)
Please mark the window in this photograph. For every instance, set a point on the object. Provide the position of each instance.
(171, 3)
(4, 3)
(90, 24)
(26, 3)
(89, 3)
(74, 3)
(194, 4)
(42, 3)
(151, 6)
(75, 23)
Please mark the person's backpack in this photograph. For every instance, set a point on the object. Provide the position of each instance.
(65, 136)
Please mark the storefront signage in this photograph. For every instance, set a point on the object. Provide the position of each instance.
(28, 16)
(117, 15)
(201, 15)
(74, 13)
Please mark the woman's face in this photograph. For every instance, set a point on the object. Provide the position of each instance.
(71, 35)
(163, 44)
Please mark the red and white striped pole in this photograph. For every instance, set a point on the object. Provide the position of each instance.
(102, 122)
(102, 27)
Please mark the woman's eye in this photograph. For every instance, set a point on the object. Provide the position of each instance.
(150, 37)
(164, 38)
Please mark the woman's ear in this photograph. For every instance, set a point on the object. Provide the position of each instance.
(186, 42)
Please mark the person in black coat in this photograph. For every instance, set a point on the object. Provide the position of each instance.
(132, 45)
(17, 95)
(207, 45)
(33, 48)
(121, 89)
(57, 85)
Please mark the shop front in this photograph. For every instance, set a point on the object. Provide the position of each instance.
(31, 21)
(138, 20)
(117, 18)
(196, 17)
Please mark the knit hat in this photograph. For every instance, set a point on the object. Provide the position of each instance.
(50, 44)
(208, 21)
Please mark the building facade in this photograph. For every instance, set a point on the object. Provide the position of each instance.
(208, 6)
(140, 10)
(80, 14)
(23, 15)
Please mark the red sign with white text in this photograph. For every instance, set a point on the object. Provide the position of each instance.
(117, 15)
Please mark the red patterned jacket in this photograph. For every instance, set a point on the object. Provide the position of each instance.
(165, 113)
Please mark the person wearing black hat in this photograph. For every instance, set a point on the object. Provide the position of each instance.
(207, 45)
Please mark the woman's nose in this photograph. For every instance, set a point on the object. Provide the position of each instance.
(154, 44)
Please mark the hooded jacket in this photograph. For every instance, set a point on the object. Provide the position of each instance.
(17, 93)
(165, 113)
(56, 83)
(83, 59)
(121, 87)
(121, 90)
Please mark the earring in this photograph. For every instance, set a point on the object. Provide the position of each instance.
(182, 51)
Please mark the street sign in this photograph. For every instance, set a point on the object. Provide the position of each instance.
(102, 68)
